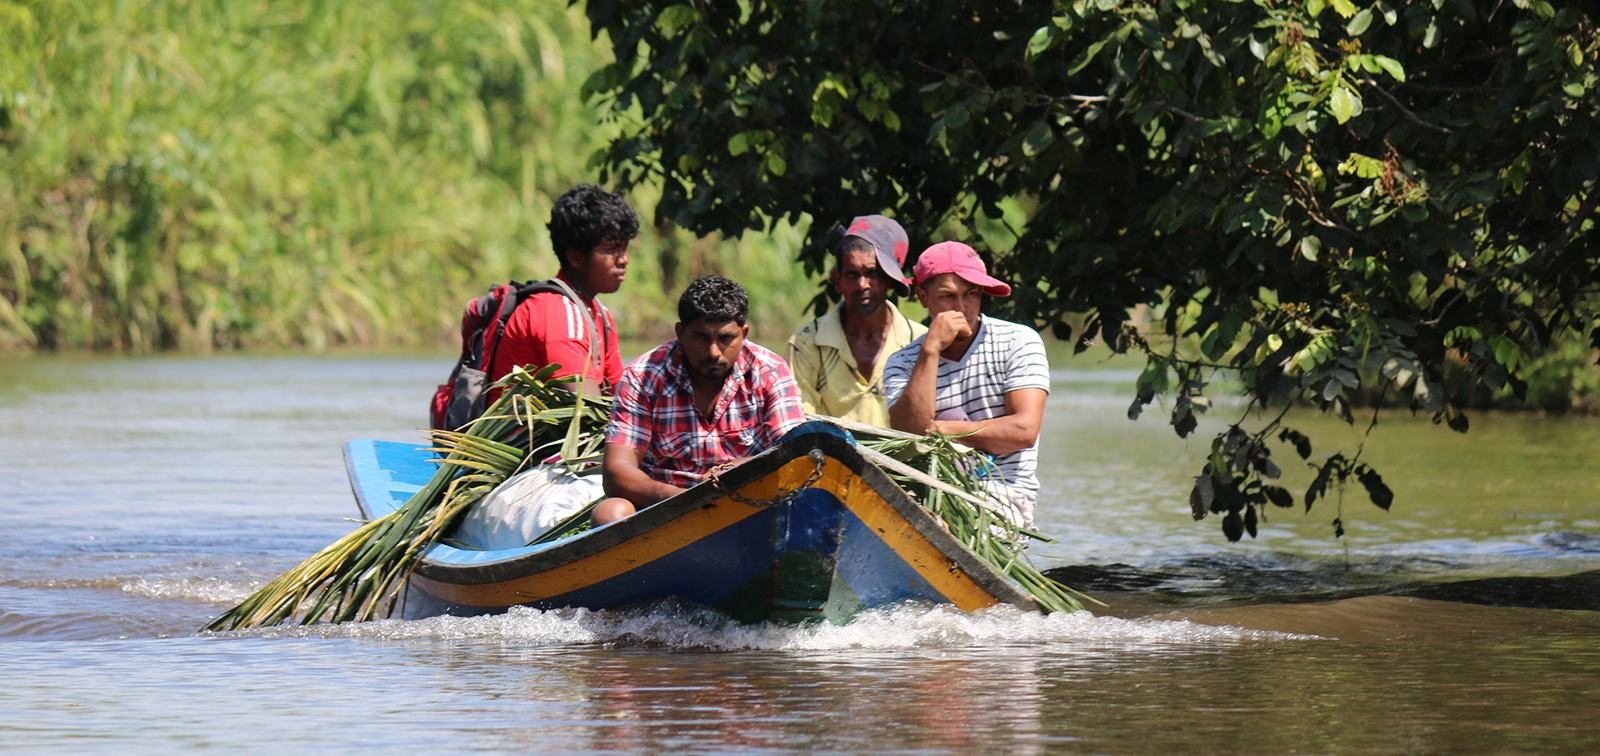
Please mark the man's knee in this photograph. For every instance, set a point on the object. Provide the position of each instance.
(610, 510)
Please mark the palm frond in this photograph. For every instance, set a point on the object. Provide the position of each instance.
(358, 576)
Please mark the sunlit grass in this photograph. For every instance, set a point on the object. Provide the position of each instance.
(265, 174)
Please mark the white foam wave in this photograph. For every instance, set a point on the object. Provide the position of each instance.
(202, 589)
(896, 628)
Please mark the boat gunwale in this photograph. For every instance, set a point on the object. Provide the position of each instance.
(832, 441)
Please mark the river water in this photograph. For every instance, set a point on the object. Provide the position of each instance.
(140, 497)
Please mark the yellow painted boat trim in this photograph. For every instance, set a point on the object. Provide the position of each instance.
(912, 547)
(647, 547)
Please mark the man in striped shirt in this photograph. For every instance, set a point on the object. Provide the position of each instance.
(703, 399)
(590, 229)
(973, 373)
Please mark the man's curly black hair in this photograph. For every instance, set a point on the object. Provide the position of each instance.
(714, 299)
(588, 216)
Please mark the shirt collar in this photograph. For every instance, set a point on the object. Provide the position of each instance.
(830, 329)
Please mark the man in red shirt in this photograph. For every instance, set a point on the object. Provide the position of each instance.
(590, 229)
(706, 398)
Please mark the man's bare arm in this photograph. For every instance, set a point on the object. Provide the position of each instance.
(622, 477)
(913, 412)
(1018, 429)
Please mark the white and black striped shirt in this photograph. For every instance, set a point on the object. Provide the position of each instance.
(1004, 357)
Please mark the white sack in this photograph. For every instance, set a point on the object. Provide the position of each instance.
(525, 506)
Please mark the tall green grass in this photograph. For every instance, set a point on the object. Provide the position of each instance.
(195, 176)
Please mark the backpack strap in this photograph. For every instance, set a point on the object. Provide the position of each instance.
(520, 295)
(593, 359)
(497, 327)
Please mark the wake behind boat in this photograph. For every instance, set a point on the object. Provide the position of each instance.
(809, 529)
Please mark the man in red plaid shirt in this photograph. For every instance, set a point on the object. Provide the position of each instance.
(706, 398)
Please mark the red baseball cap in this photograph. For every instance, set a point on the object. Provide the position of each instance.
(962, 260)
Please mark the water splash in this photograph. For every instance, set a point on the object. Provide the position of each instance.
(199, 589)
(209, 590)
(680, 627)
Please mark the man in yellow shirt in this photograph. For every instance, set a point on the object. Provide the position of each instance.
(838, 358)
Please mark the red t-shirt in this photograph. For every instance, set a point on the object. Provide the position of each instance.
(548, 327)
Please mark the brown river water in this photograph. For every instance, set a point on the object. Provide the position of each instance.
(139, 497)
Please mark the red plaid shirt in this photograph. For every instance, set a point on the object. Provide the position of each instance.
(653, 412)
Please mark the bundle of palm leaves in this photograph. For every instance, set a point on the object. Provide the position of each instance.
(358, 576)
(948, 479)
(538, 418)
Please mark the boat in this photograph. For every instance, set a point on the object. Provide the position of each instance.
(809, 529)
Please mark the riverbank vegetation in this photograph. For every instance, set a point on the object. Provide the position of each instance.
(200, 176)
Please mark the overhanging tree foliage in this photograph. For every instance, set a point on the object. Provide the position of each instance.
(1326, 197)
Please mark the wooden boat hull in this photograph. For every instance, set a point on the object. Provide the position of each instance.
(852, 540)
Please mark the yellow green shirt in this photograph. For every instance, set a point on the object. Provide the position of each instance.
(825, 368)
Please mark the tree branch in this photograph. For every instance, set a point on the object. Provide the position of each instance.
(1410, 116)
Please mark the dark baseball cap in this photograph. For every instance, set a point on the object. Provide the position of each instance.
(891, 244)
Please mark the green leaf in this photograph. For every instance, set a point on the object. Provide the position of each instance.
(1362, 166)
(776, 165)
(1345, 8)
(955, 117)
(1506, 352)
(1390, 66)
(831, 84)
(1310, 247)
(1344, 104)
(1257, 48)
(1201, 496)
(1273, 113)
(1302, 445)
(739, 144)
(674, 18)
(1376, 489)
(1279, 496)
(1359, 24)
(1040, 137)
(1087, 56)
(1043, 38)
(1232, 526)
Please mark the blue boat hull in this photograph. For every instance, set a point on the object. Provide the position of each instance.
(853, 540)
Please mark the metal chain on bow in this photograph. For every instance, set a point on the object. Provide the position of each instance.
(783, 497)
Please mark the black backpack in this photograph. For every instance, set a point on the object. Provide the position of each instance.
(465, 396)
